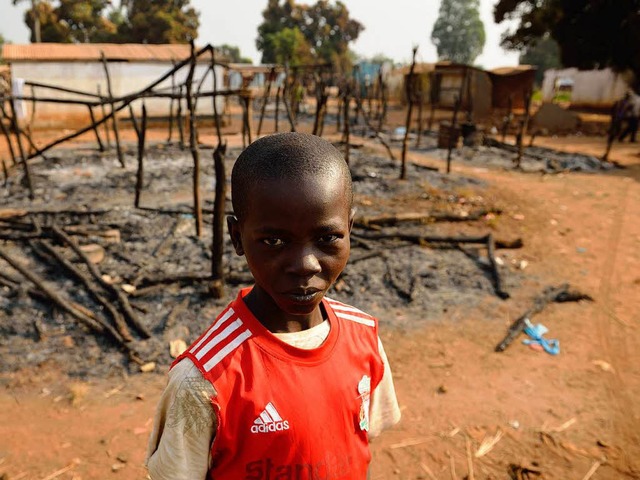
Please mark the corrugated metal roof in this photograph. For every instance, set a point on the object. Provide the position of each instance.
(49, 52)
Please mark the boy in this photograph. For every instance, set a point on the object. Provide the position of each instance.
(286, 383)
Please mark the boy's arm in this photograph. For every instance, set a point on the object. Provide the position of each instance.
(183, 427)
(384, 411)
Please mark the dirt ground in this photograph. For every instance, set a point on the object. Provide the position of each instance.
(468, 412)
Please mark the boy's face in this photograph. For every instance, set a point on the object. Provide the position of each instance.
(295, 237)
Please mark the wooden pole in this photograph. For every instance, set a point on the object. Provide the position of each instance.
(523, 128)
(216, 117)
(5, 132)
(95, 129)
(507, 119)
(453, 137)
(104, 114)
(278, 94)
(25, 165)
(141, 142)
(179, 119)
(171, 100)
(265, 99)
(217, 251)
(193, 145)
(347, 107)
(114, 119)
(409, 91)
(420, 126)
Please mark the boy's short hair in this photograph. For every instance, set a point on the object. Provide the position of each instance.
(292, 156)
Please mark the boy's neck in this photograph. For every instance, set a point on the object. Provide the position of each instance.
(274, 320)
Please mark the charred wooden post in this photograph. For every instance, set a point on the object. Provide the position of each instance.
(321, 101)
(497, 280)
(193, 146)
(214, 98)
(245, 98)
(409, 89)
(506, 122)
(171, 99)
(523, 128)
(420, 126)
(179, 119)
(277, 113)
(114, 120)
(265, 99)
(95, 129)
(104, 114)
(285, 94)
(453, 137)
(434, 94)
(25, 164)
(217, 251)
(141, 143)
(7, 136)
(5, 171)
(339, 113)
(347, 107)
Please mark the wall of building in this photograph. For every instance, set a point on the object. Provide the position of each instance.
(598, 88)
(126, 78)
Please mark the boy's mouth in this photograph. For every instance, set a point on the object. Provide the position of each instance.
(304, 295)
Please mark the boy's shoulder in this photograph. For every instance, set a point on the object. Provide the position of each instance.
(348, 312)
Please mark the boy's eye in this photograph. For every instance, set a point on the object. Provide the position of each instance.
(329, 238)
(273, 241)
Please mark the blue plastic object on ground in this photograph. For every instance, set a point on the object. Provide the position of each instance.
(536, 333)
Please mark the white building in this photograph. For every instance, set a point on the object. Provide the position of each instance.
(132, 68)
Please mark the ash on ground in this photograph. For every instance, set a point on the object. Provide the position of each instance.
(404, 284)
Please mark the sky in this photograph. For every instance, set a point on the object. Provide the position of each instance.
(392, 33)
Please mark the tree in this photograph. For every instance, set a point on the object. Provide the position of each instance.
(458, 33)
(159, 21)
(231, 53)
(290, 46)
(544, 54)
(96, 21)
(70, 21)
(326, 30)
(590, 33)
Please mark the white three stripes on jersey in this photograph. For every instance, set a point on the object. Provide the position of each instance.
(351, 313)
(268, 415)
(211, 339)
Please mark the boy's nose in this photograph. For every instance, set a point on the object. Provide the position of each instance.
(306, 264)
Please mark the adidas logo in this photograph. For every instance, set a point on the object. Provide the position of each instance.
(269, 421)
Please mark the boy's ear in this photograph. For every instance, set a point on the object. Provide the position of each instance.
(234, 233)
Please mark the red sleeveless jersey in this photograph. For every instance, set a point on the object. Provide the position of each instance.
(292, 413)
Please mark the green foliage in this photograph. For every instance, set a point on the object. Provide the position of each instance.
(590, 33)
(159, 21)
(302, 33)
(231, 53)
(544, 54)
(458, 33)
(290, 46)
(96, 21)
